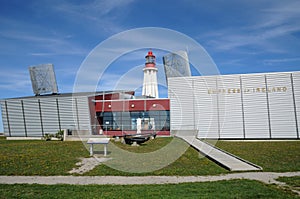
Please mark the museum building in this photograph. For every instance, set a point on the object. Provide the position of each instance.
(239, 106)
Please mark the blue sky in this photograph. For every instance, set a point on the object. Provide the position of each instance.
(241, 36)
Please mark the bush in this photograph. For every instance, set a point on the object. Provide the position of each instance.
(59, 136)
(48, 136)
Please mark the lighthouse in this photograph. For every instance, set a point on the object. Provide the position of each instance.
(150, 87)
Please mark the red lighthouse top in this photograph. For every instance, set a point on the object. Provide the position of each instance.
(150, 59)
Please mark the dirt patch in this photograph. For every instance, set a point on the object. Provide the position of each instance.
(87, 164)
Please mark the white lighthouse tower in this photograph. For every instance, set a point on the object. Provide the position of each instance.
(150, 88)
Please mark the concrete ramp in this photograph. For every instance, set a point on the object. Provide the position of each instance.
(229, 161)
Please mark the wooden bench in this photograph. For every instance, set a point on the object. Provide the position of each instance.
(92, 141)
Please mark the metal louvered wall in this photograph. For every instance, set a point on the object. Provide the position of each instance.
(175, 94)
(205, 107)
(247, 106)
(36, 116)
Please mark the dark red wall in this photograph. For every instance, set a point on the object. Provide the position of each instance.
(132, 105)
(113, 103)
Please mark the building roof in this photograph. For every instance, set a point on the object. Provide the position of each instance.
(68, 94)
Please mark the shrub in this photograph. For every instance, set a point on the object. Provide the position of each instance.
(59, 136)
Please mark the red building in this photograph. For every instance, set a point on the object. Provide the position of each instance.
(119, 113)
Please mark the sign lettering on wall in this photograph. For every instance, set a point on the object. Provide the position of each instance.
(247, 90)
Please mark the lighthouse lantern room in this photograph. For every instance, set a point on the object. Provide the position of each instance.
(150, 87)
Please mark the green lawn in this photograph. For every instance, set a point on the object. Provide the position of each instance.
(188, 164)
(146, 147)
(221, 189)
(39, 157)
(57, 158)
(292, 182)
(271, 155)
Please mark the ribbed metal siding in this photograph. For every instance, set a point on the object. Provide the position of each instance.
(40, 115)
(67, 116)
(83, 113)
(206, 107)
(230, 107)
(282, 115)
(32, 117)
(49, 115)
(4, 117)
(181, 103)
(296, 80)
(15, 117)
(249, 106)
(255, 107)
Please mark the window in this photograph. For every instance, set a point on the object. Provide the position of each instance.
(150, 120)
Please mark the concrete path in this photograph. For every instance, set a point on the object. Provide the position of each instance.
(231, 162)
(265, 177)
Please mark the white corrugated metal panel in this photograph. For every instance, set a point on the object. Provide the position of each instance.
(4, 118)
(49, 115)
(296, 80)
(230, 107)
(181, 103)
(282, 115)
(15, 116)
(83, 112)
(67, 113)
(57, 112)
(265, 114)
(255, 106)
(206, 107)
(32, 117)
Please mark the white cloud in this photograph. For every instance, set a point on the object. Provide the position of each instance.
(43, 45)
(263, 29)
(42, 39)
(17, 81)
(13, 80)
(285, 60)
(280, 13)
(97, 14)
(131, 79)
(92, 9)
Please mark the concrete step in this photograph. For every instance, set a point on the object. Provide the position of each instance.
(82, 137)
(229, 161)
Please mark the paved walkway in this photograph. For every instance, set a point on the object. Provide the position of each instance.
(231, 162)
(265, 177)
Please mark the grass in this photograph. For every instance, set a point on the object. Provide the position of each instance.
(220, 189)
(39, 157)
(189, 164)
(146, 147)
(293, 183)
(272, 156)
(57, 158)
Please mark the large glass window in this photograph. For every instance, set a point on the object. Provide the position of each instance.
(150, 120)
